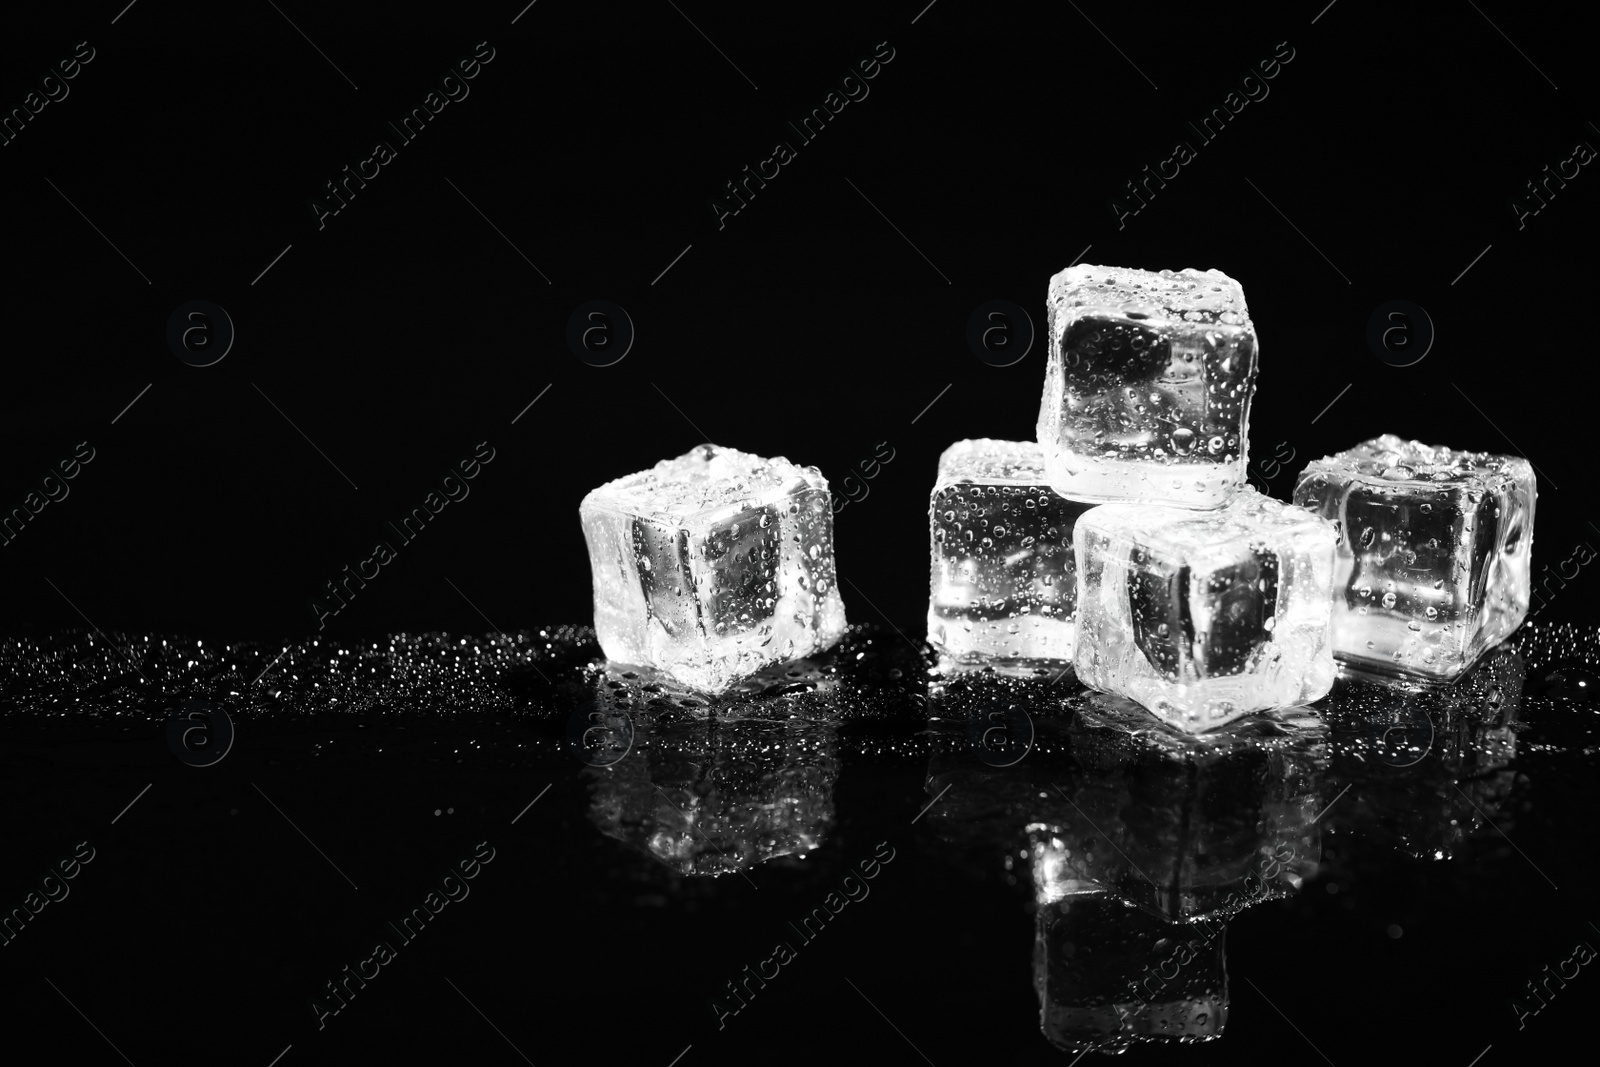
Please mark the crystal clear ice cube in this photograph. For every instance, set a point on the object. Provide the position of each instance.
(713, 565)
(1002, 589)
(1433, 564)
(1148, 385)
(1205, 616)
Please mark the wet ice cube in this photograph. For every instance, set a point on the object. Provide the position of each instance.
(1433, 564)
(713, 565)
(1148, 385)
(1002, 588)
(1205, 616)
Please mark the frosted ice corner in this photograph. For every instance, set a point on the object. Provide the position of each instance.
(1434, 565)
(1147, 386)
(713, 565)
(1002, 588)
(1203, 617)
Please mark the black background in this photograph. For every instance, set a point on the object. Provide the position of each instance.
(408, 329)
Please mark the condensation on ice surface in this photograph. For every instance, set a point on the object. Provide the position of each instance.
(1433, 566)
(1205, 616)
(713, 565)
(1148, 386)
(1002, 586)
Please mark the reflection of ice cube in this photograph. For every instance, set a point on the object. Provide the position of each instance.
(1186, 829)
(1205, 616)
(1148, 386)
(711, 795)
(1002, 588)
(713, 565)
(1109, 977)
(1433, 565)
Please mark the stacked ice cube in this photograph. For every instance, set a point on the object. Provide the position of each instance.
(1147, 392)
(1192, 593)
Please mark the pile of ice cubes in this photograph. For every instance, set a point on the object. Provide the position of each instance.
(1193, 594)
(1124, 542)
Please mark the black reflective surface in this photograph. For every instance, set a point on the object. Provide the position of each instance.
(850, 856)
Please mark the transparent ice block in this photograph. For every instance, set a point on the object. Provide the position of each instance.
(1002, 588)
(713, 565)
(1205, 616)
(1433, 563)
(1148, 385)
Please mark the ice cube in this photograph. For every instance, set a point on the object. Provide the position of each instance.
(1433, 563)
(713, 565)
(1002, 589)
(1148, 385)
(1205, 616)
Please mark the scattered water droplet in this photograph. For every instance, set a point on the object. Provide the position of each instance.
(1576, 684)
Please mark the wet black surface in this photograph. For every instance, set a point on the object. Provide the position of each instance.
(903, 864)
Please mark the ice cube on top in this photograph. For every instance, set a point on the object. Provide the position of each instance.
(1199, 296)
(1148, 386)
(713, 565)
(1001, 590)
(1205, 616)
(1434, 563)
